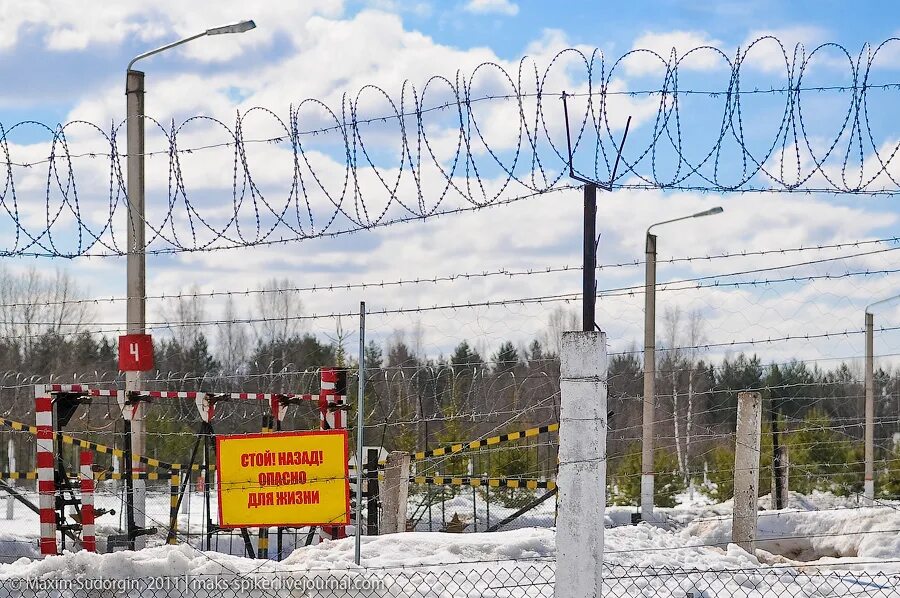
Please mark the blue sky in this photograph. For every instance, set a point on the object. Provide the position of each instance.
(614, 26)
(62, 62)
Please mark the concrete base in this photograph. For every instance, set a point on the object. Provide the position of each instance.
(647, 486)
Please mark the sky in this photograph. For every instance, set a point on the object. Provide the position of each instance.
(65, 62)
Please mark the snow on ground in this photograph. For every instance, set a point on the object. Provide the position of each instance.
(817, 533)
(476, 564)
(863, 537)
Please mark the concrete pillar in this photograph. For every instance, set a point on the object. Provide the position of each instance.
(746, 469)
(394, 493)
(582, 465)
(136, 268)
(648, 441)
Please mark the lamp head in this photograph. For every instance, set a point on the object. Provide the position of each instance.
(709, 212)
(235, 28)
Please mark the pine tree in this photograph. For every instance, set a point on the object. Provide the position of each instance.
(506, 359)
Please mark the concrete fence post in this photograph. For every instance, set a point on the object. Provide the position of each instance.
(582, 466)
(394, 493)
(746, 469)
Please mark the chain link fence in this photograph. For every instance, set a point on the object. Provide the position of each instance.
(496, 579)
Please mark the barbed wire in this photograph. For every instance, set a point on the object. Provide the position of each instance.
(447, 158)
(524, 272)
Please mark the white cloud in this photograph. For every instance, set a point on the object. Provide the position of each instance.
(376, 47)
(768, 55)
(498, 7)
(661, 47)
(68, 26)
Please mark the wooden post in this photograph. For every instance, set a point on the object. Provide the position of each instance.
(746, 469)
(394, 493)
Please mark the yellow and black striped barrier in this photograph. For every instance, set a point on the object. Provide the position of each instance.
(137, 475)
(99, 476)
(18, 475)
(452, 449)
(174, 485)
(101, 448)
(529, 483)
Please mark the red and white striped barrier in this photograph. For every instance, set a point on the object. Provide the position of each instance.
(88, 539)
(331, 417)
(80, 388)
(244, 396)
(43, 416)
(206, 401)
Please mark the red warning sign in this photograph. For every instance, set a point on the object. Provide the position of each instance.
(135, 353)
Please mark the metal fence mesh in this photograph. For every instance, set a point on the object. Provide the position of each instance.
(495, 579)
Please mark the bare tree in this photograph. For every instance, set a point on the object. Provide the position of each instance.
(182, 313)
(232, 339)
(695, 338)
(418, 340)
(672, 320)
(32, 304)
(560, 320)
(278, 308)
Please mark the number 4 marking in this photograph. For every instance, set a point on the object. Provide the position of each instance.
(135, 351)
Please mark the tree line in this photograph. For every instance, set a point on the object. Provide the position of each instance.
(417, 401)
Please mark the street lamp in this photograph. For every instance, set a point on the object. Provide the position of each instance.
(136, 266)
(647, 473)
(869, 483)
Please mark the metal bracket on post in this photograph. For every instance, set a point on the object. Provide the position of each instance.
(130, 405)
(589, 266)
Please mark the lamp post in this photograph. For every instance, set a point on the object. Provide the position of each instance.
(647, 473)
(869, 483)
(136, 260)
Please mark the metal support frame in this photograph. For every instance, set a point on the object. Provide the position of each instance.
(530, 506)
(55, 405)
(589, 263)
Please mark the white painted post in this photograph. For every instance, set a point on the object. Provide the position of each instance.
(394, 493)
(746, 469)
(11, 458)
(582, 466)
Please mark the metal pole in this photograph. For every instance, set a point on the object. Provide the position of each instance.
(869, 488)
(647, 473)
(589, 279)
(136, 272)
(130, 525)
(360, 404)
